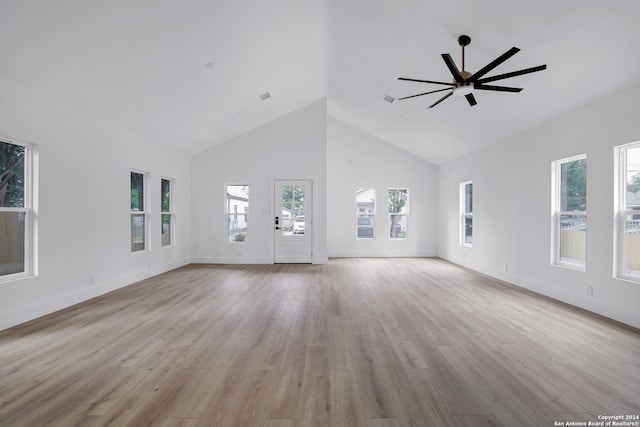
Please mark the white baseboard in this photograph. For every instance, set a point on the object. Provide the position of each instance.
(373, 254)
(232, 260)
(17, 317)
(592, 304)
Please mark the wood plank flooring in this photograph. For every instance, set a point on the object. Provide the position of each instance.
(357, 342)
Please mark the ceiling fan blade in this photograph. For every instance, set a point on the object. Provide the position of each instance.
(493, 64)
(512, 74)
(441, 99)
(452, 67)
(471, 99)
(420, 94)
(426, 81)
(497, 88)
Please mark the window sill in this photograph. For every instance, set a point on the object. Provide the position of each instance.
(568, 266)
(15, 277)
(628, 279)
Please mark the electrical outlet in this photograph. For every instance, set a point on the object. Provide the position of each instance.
(92, 281)
(590, 291)
(148, 265)
(504, 267)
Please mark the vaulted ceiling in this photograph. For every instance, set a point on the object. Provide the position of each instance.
(191, 73)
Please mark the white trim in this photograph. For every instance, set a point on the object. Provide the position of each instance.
(171, 212)
(405, 214)
(8, 320)
(227, 213)
(621, 212)
(464, 215)
(145, 212)
(556, 214)
(372, 215)
(30, 243)
(594, 305)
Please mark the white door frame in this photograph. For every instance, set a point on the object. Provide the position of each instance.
(290, 247)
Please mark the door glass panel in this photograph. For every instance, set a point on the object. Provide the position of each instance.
(292, 218)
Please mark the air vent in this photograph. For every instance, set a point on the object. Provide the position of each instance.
(265, 96)
(389, 99)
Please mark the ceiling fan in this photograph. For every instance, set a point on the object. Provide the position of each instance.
(465, 83)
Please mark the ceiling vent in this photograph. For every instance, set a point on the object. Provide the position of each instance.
(265, 96)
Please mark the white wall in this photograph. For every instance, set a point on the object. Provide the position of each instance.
(356, 160)
(83, 204)
(291, 147)
(512, 206)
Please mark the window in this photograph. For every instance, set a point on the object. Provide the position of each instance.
(139, 215)
(398, 207)
(166, 212)
(237, 211)
(570, 212)
(365, 213)
(628, 212)
(466, 213)
(16, 215)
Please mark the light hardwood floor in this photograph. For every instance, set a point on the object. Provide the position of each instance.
(357, 342)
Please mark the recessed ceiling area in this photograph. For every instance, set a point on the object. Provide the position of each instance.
(179, 74)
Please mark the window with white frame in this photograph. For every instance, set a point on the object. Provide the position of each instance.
(139, 214)
(166, 212)
(466, 213)
(237, 212)
(16, 210)
(398, 210)
(569, 177)
(628, 212)
(365, 213)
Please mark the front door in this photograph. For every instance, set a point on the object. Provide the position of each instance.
(292, 224)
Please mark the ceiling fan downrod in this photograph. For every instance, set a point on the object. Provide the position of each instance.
(463, 41)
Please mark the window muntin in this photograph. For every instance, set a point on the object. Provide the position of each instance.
(166, 212)
(237, 212)
(570, 212)
(139, 214)
(365, 213)
(398, 200)
(15, 210)
(466, 213)
(628, 212)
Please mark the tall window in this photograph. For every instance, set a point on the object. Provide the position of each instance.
(15, 210)
(466, 213)
(570, 212)
(398, 208)
(237, 211)
(166, 212)
(628, 217)
(365, 213)
(139, 214)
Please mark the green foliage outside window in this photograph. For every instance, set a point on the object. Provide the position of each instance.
(11, 175)
(573, 186)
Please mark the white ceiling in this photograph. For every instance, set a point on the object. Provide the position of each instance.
(143, 64)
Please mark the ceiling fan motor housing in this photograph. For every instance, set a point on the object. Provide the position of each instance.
(464, 40)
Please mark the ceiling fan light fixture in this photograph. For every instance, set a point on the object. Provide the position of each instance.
(463, 90)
